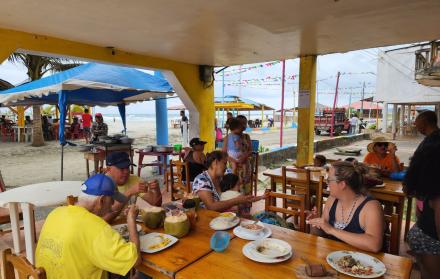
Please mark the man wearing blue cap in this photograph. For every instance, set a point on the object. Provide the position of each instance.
(76, 242)
(118, 164)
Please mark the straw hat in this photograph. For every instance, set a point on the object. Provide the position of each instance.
(376, 140)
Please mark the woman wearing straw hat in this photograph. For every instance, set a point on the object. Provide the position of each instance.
(382, 154)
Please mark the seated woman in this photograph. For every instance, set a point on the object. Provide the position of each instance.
(382, 154)
(196, 159)
(207, 185)
(349, 215)
(421, 181)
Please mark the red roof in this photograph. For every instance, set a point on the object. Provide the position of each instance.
(367, 105)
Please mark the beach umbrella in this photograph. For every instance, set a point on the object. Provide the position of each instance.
(89, 84)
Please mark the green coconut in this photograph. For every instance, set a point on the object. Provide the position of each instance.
(153, 217)
(177, 225)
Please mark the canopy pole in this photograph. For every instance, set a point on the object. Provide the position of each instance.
(62, 104)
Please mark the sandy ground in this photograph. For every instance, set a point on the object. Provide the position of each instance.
(22, 164)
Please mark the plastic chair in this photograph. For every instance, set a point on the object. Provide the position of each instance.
(24, 268)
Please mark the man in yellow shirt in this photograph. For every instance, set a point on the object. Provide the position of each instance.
(76, 242)
(118, 164)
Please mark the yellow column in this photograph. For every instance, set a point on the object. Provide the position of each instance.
(20, 116)
(306, 110)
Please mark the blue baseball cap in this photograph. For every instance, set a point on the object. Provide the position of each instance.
(121, 160)
(102, 185)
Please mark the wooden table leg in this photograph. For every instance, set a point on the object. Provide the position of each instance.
(96, 165)
(164, 169)
(29, 231)
(273, 188)
(399, 210)
(87, 168)
(408, 216)
(141, 157)
(15, 226)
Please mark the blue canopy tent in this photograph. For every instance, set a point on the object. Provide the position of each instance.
(89, 84)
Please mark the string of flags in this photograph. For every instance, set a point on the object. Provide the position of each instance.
(236, 71)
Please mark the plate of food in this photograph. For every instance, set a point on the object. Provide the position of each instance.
(356, 264)
(222, 223)
(314, 169)
(272, 248)
(122, 229)
(250, 230)
(250, 251)
(155, 242)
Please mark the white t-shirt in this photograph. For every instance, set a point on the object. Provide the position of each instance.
(354, 121)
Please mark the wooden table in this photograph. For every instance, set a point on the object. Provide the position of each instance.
(114, 147)
(185, 252)
(98, 159)
(233, 264)
(28, 197)
(392, 192)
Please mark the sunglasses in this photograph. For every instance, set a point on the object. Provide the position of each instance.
(382, 144)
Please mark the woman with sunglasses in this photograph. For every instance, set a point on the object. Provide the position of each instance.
(350, 215)
(382, 154)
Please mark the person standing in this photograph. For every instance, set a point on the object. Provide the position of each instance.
(426, 124)
(184, 127)
(229, 118)
(86, 120)
(99, 128)
(354, 121)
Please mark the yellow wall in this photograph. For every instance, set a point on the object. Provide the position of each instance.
(306, 111)
(186, 74)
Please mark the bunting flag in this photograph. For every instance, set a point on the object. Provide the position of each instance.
(236, 71)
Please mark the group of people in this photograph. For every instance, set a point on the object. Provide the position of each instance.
(353, 216)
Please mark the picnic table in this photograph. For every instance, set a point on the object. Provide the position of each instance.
(392, 192)
(233, 264)
(28, 197)
(192, 257)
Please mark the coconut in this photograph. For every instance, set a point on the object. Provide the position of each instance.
(177, 225)
(153, 217)
(195, 197)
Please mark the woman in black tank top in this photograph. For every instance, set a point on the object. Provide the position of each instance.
(349, 215)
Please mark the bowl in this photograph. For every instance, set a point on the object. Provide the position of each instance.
(220, 241)
(228, 216)
(251, 227)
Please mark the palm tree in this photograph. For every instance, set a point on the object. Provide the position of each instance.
(37, 66)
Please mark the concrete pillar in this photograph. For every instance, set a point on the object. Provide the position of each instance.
(384, 118)
(402, 120)
(306, 110)
(394, 120)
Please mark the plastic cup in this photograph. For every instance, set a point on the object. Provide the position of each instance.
(220, 241)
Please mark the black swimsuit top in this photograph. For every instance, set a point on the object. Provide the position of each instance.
(354, 226)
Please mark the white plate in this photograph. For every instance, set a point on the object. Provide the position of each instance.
(274, 248)
(380, 185)
(238, 231)
(219, 223)
(248, 251)
(379, 268)
(126, 235)
(146, 241)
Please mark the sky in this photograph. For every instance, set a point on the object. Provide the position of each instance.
(356, 67)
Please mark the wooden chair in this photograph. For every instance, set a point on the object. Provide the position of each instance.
(178, 186)
(254, 171)
(392, 233)
(24, 269)
(288, 209)
(71, 200)
(298, 186)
